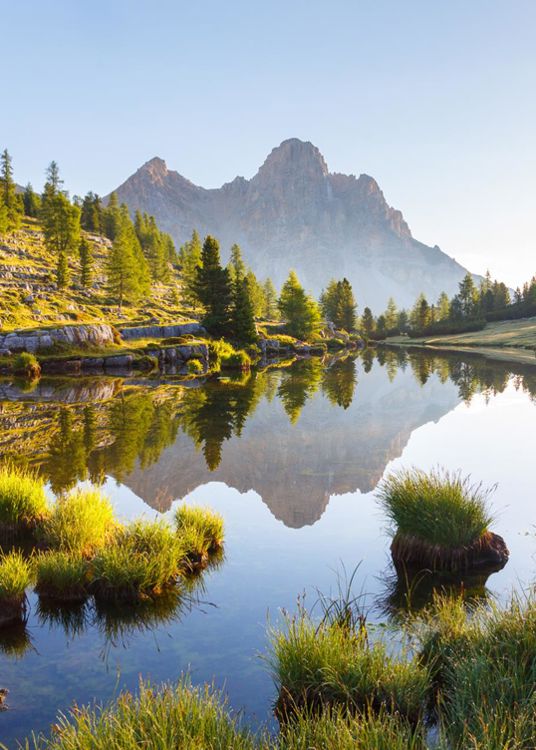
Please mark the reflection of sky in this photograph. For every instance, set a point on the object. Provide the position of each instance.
(268, 564)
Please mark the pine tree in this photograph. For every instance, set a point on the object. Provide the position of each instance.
(31, 201)
(328, 301)
(346, 306)
(128, 277)
(213, 288)
(242, 319)
(368, 324)
(468, 296)
(297, 308)
(92, 213)
(190, 260)
(270, 310)
(62, 271)
(256, 294)
(9, 199)
(111, 217)
(86, 263)
(60, 219)
(236, 266)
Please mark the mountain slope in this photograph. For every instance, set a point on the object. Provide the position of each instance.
(295, 213)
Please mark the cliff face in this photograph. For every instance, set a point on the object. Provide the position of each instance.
(295, 213)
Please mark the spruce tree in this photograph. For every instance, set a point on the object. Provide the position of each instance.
(62, 271)
(242, 319)
(346, 306)
(298, 309)
(213, 288)
(86, 263)
(31, 201)
(270, 310)
(60, 219)
(236, 265)
(189, 259)
(128, 277)
(9, 198)
(368, 324)
(256, 293)
(391, 315)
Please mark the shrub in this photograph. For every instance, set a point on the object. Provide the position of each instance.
(144, 559)
(440, 508)
(200, 531)
(79, 523)
(62, 576)
(23, 503)
(194, 367)
(15, 577)
(223, 355)
(26, 364)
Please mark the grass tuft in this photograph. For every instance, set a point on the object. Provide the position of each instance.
(440, 508)
(200, 531)
(23, 503)
(16, 575)
(62, 576)
(80, 523)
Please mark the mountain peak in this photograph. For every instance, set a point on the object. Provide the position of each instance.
(155, 167)
(294, 156)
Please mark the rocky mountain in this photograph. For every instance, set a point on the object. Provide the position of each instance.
(295, 213)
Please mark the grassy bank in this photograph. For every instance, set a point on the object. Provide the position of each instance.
(505, 341)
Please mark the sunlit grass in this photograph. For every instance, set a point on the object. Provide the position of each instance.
(62, 576)
(439, 507)
(16, 575)
(80, 523)
(23, 501)
(200, 530)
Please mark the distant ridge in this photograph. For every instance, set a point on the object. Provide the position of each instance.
(294, 213)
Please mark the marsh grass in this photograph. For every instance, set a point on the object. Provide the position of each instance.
(23, 503)
(62, 576)
(200, 531)
(484, 667)
(143, 560)
(191, 718)
(440, 507)
(331, 664)
(80, 523)
(16, 575)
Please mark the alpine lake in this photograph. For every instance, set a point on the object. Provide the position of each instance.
(290, 456)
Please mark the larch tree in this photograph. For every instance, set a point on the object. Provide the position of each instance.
(10, 201)
(299, 310)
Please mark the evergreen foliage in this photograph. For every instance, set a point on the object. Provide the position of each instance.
(11, 204)
(213, 289)
(298, 309)
(243, 321)
(86, 263)
(189, 258)
(128, 273)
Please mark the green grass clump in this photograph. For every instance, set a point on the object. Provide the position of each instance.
(80, 523)
(23, 503)
(26, 364)
(62, 576)
(191, 718)
(484, 666)
(440, 508)
(333, 664)
(200, 531)
(15, 576)
(222, 354)
(144, 559)
(169, 717)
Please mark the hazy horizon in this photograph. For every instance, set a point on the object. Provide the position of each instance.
(431, 101)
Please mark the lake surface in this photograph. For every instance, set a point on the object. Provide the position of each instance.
(291, 457)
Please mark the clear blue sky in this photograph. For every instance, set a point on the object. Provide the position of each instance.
(436, 100)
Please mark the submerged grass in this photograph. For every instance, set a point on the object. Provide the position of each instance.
(80, 523)
(441, 508)
(62, 576)
(23, 503)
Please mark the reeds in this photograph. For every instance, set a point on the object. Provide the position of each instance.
(16, 576)
(80, 523)
(23, 502)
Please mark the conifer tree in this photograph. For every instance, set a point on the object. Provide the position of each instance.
(256, 293)
(443, 306)
(92, 213)
(391, 315)
(236, 265)
(31, 201)
(111, 217)
(213, 288)
(270, 310)
(86, 263)
(62, 270)
(189, 258)
(368, 324)
(346, 306)
(297, 308)
(128, 276)
(60, 219)
(242, 319)
(9, 199)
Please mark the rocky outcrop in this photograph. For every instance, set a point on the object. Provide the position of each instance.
(162, 332)
(294, 213)
(98, 334)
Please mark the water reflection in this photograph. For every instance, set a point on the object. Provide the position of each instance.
(312, 429)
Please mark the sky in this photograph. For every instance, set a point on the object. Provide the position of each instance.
(436, 100)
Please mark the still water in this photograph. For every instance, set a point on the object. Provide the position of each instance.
(290, 457)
